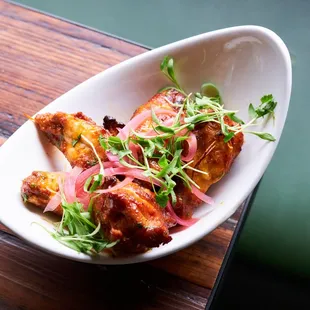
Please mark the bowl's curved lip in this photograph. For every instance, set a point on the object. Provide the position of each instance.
(166, 251)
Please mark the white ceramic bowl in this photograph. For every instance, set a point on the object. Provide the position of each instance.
(244, 62)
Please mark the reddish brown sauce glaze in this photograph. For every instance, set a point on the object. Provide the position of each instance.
(66, 132)
(131, 215)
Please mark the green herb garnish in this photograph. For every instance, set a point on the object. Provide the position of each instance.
(167, 67)
(77, 231)
(76, 228)
(93, 182)
(166, 147)
(25, 197)
(75, 141)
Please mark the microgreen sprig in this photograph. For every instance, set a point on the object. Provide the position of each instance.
(167, 67)
(206, 106)
(96, 154)
(166, 146)
(77, 231)
(94, 181)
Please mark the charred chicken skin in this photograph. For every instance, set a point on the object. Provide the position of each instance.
(130, 214)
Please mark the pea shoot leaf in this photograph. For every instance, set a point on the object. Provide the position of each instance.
(164, 129)
(167, 67)
(75, 141)
(163, 162)
(267, 106)
(228, 137)
(234, 118)
(252, 111)
(97, 181)
(263, 135)
(154, 118)
(162, 199)
(149, 149)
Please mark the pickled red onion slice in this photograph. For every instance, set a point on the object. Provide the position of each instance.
(207, 199)
(168, 122)
(92, 171)
(132, 172)
(69, 184)
(134, 150)
(53, 203)
(139, 119)
(112, 157)
(125, 182)
(83, 198)
(85, 175)
(192, 148)
(179, 220)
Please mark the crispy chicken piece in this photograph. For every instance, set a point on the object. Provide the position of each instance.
(145, 225)
(213, 155)
(161, 100)
(131, 215)
(39, 188)
(64, 131)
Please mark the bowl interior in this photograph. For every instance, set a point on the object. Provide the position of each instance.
(244, 62)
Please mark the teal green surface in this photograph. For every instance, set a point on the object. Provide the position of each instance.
(278, 231)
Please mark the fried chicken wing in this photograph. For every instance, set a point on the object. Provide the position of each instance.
(161, 100)
(40, 187)
(130, 214)
(65, 131)
(213, 155)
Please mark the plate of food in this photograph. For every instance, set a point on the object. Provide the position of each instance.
(152, 154)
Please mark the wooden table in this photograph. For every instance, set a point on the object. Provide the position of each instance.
(43, 57)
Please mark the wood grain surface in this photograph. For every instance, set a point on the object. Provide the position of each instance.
(41, 58)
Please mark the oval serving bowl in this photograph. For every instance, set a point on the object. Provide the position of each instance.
(245, 62)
